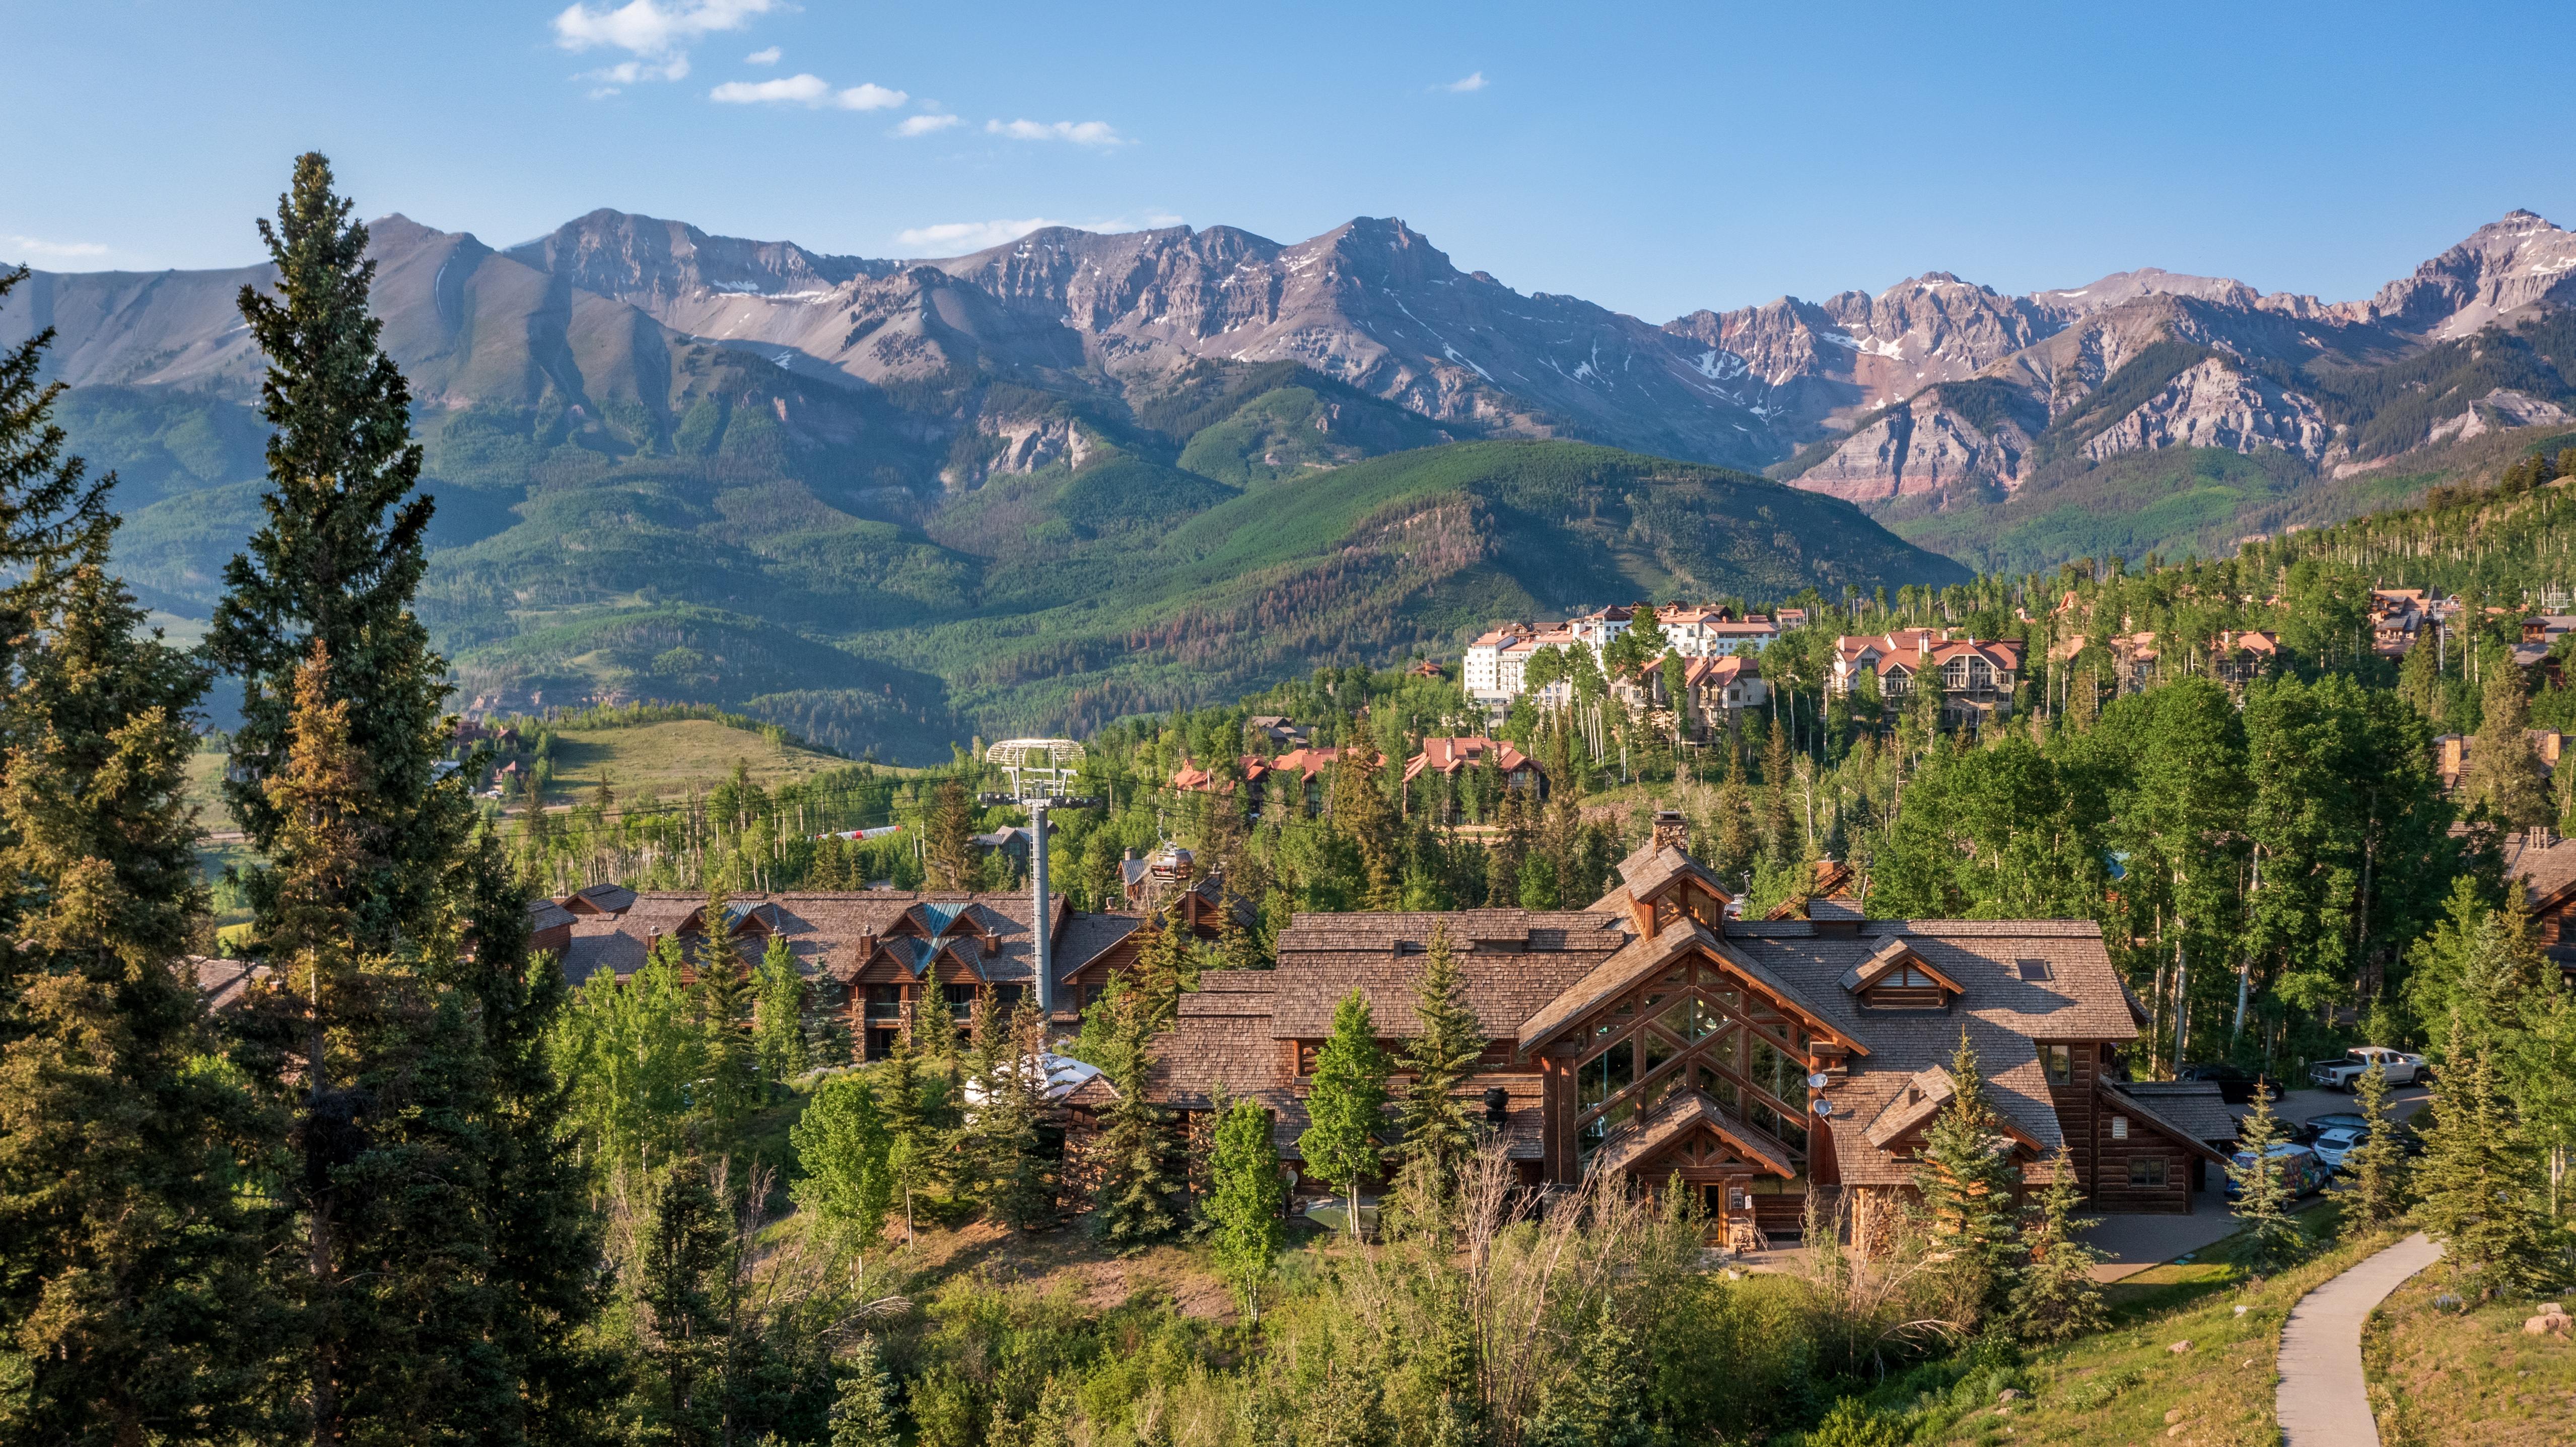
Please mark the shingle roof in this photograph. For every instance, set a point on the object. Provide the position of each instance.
(2188, 1111)
(545, 914)
(1323, 957)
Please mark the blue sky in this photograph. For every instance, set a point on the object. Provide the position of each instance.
(1651, 158)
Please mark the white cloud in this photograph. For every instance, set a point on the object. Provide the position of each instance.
(647, 27)
(762, 57)
(1081, 133)
(652, 32)
(1476, 81)
(926, 125)
(31, 246)
(808, 90)
(957, 238)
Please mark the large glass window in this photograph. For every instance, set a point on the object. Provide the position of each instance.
(2147, 1171)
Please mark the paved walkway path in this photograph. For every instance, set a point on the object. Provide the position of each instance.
(2323, 1400)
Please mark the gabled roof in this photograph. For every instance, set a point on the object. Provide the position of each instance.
(1677, 1116)
(2191, 1105)
(1897, 952)
(2138, 1110)
(1639, 960)
(545, 914)
(1909, 1112)
(1323, 957)
(600, 899)
(1650, 872)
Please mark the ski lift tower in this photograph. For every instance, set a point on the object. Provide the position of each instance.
(1042, 774)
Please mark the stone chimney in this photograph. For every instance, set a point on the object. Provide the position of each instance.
(1671, 828)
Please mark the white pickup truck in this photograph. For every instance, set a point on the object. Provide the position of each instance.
(2395, 1066)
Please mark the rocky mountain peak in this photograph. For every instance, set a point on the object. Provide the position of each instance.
(646, 259)
(2502, 266)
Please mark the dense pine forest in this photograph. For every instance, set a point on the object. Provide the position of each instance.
(406, 1186)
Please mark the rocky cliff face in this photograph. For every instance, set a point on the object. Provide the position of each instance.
(1929, 445)
(596, 315)
(2214, 404)
(2502, 267)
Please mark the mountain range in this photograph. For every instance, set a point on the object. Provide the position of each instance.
(888, 498)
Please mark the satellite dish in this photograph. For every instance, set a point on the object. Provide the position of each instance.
(1817, 1081)
(1824, 1107)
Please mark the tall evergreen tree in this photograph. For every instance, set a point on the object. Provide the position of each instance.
(1601, 1403)
(2272, 1238)
(1347, 1102)
(1732, 842)
(335, 563)
(2378, 1196)
(2504, 773)
(2484, 1195)
(1362, 814)
(404, 1027)
(1131, 1157)
(1505, 851)
(684, 1256)
(130, 1295)
(1244, 1200)
(723, 998)
(1438, 1131)
(1778, 815)
(1966, 1179)
(1017, 1177)
(911, 1143)
(950, 848)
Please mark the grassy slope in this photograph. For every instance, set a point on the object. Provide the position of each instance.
(662, 758)
(2124, 1385)
(2446, 1376)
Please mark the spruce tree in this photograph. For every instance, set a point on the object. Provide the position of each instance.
(335, 563)
(723, 1000)
(1601, 1403)
(1167, 965)
(1777, 815)
(2054, 1296)
(1346, 1102)
(1966, 1178)
(2272, 1238)
(2377, 1199)
(1362, 814)
(1731, 851)
(863, 1414)
(910, 1142)
(679, 1289)
(403, 1031)
(1131, 1157)
(1505, 851)
(950, 849)
(1438, 1131)
(2504, 774)
(132, 1293)
(2485, 1197)
(1244, 1200)
(1018, 1179)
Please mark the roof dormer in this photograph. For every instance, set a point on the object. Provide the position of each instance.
(1897, 978)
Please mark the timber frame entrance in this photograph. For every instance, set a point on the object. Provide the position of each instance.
(1683, 1061)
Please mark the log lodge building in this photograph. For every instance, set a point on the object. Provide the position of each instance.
(1649, 1034)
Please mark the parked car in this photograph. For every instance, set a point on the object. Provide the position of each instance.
(2235, 1086)
(2394, 1066)
(2335, 1147)
(2308, 1130)
(2299, 1167)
